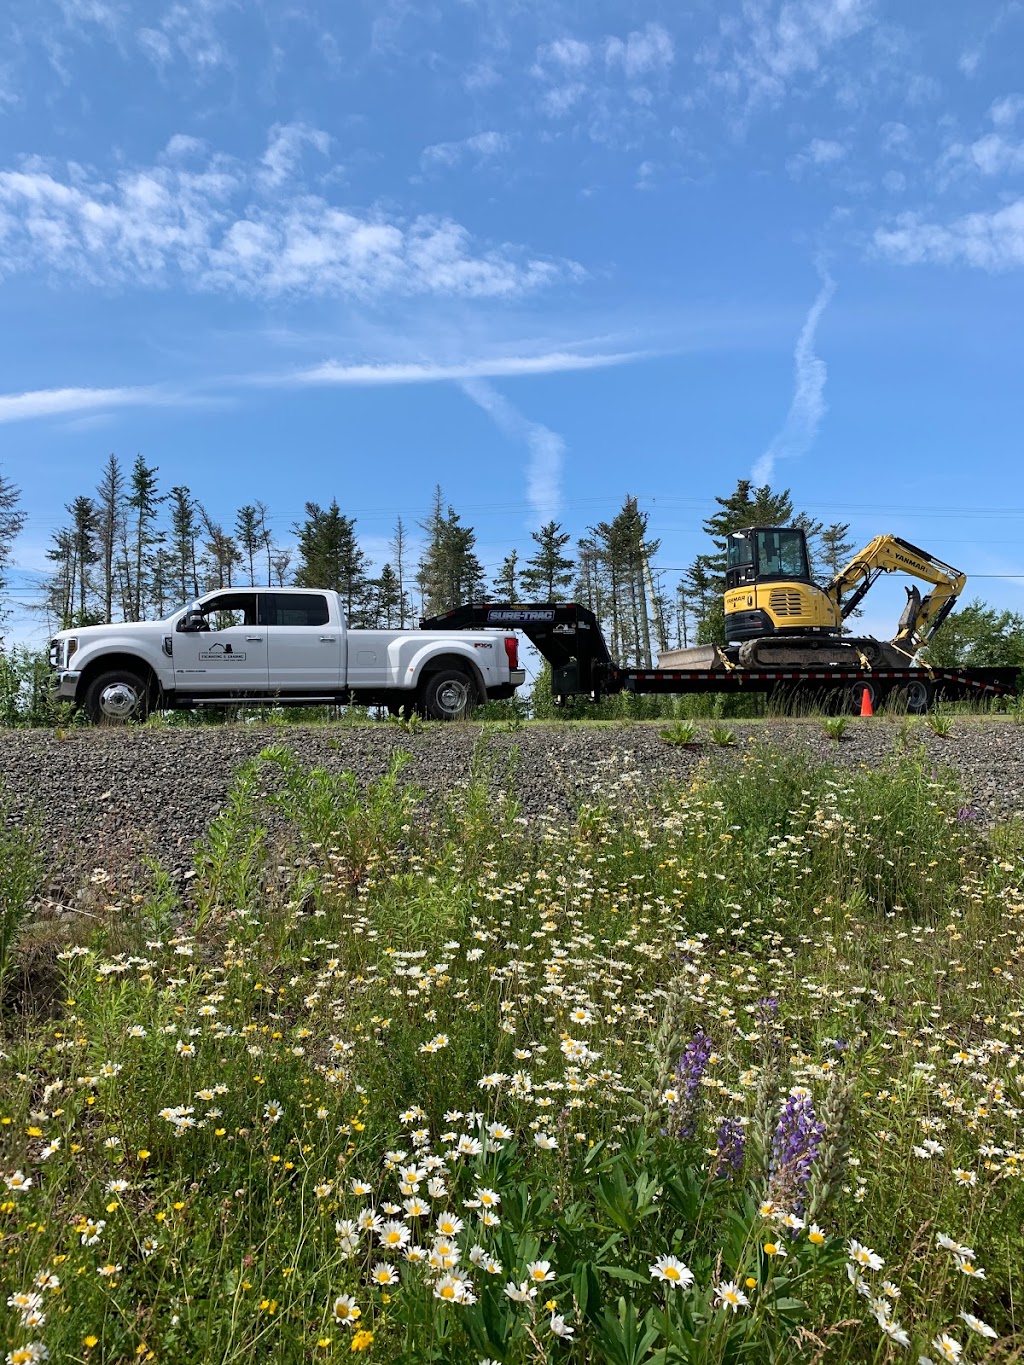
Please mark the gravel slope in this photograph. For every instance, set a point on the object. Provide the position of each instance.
(107, 798)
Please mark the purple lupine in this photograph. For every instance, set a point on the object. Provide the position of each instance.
(795, 1146)
(967, 815)
(730, 1143)
(689, 1070)
(766, 1008)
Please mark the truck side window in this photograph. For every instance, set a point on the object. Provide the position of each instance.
(231, 609)
(294, 609)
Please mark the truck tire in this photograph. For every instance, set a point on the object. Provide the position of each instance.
(116, 698)
(448, 695)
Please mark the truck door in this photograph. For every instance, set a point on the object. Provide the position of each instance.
(230, 654)
(305, 645)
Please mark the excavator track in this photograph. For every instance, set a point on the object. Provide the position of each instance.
(818, 651)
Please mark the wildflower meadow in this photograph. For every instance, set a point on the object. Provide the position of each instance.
(728, 1070)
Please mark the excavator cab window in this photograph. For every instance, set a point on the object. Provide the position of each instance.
(781, 553)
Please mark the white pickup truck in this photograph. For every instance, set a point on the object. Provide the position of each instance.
(285, 646)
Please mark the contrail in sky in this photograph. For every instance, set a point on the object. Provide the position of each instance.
(808, 406)
(546, 447)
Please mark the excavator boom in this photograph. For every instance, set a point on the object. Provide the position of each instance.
(888, 554)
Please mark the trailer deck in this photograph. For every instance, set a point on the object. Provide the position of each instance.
(570, 638)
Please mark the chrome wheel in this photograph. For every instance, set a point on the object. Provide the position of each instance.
(119, 701)
(449, 695)
(453, 697)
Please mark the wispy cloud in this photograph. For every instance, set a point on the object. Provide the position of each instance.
(759, 56)
(808, 405)
(480, 147)
(211, 223)
(992, 240)
(546, 447)
(22, 407)
(429, 372)
(83, 402)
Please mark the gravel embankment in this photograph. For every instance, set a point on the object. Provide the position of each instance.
(109, 798)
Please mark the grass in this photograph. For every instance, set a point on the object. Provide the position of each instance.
(439, 1084)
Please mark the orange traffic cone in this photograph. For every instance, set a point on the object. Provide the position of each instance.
(865, 702)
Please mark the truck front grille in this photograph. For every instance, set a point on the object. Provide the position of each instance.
(783, 603)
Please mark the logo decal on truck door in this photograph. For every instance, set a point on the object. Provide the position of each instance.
(219, 653)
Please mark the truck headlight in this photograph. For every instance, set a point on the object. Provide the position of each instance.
(69, 649)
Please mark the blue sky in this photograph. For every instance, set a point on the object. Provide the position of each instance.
(544, 253)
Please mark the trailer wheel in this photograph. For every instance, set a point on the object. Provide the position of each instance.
(915, 697)
(116, 698)
(877, 694)
(448, 695)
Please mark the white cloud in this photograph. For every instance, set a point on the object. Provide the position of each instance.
(284, 150)
(818, 152)
(225, 226)
(22, 407)
(186, 30)
(429, 372)
(808, 406)
(761, 54)
(481, 147)
(645, 50)
(991, 240)
(546, 447)
(571, 54)
(1005, 112)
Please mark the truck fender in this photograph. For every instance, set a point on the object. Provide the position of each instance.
(431, 658)
(105, 662)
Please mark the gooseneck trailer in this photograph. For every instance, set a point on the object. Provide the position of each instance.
(570, 638)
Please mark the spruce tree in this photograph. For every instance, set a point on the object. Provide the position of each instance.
(449, 572)
(507, 579)
(330, 557)
(184, 537)
(12, 519)
(110, 493)
(548, 572)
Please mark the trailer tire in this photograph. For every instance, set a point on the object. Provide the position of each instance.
(877, 693)
(116, 698)
(448, 694)
(915, 697)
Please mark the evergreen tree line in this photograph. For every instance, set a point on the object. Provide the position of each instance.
(131, 550)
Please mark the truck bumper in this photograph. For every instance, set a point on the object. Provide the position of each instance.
(64, 685)
(517, 677)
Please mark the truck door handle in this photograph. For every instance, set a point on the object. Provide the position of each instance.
(327, 639)
(254, 638)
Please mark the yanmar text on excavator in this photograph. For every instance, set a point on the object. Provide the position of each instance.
(784, 633)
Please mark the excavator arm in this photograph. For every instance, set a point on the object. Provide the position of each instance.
(889, 554)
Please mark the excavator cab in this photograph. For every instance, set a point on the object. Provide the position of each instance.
(768, 586)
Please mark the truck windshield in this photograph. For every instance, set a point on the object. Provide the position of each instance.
(781, 552)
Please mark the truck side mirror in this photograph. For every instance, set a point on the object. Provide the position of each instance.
(193, 620)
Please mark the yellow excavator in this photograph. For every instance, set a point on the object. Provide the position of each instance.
(776, 615)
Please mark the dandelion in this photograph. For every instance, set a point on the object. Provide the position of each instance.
(982, 1328)
(346, 1310)
(362, 1341)
(672, 1271)
(729, 1295)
